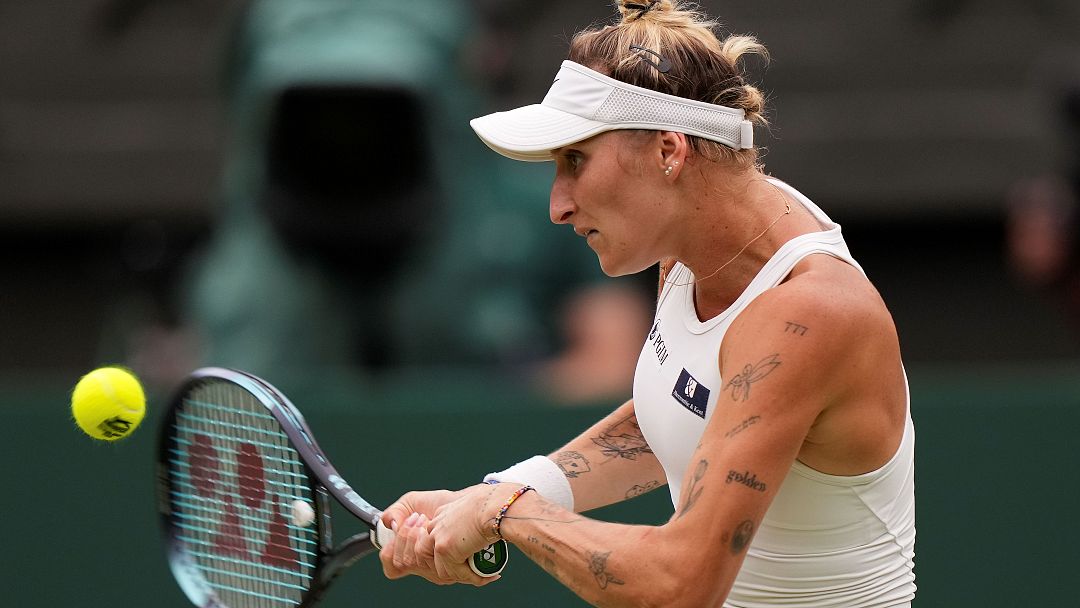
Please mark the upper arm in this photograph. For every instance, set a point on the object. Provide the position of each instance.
(782, 366)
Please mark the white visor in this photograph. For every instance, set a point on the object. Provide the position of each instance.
(582, 103)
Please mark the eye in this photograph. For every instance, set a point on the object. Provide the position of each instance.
(573, 159)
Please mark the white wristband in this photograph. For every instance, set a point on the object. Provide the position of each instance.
(543, 475)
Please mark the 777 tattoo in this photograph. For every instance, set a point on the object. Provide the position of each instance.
(740, 385)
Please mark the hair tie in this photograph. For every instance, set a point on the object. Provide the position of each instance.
(662, 65)
(644, 8)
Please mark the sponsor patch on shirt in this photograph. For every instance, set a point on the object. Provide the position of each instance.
(691, 394)
(658, 344)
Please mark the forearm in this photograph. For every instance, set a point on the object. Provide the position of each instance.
(606, 564)
(610, 462)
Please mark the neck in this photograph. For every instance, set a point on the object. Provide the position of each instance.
(738, 227)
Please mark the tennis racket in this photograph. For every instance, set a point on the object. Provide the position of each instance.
(234, 458)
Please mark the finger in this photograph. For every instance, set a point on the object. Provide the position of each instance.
(416, 541)
(451, 562)
(421, 560)
(391, 571)
(398, 512)
(401, 545)
(460, 572)
(424, 548)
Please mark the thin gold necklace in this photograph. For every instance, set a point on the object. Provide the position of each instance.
(787, 210)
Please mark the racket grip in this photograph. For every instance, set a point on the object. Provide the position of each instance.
(487, 562)
(381, 535)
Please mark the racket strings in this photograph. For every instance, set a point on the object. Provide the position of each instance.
(234, 479)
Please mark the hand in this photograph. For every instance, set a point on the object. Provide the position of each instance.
(408, 518)
(425, 503)
(462, 527)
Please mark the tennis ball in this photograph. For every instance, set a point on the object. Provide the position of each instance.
(108, 403)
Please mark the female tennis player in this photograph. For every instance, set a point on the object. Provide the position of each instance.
(769, 396)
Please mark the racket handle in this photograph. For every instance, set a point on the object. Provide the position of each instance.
(487, 562)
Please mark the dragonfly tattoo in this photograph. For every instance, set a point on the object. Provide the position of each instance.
(740, 385)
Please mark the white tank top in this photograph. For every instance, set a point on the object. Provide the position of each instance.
(826, 540)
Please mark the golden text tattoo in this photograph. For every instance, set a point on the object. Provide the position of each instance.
(740, 385)
(572, 463)
(795, 328)
(747, 479)
(742, 426)
(598, 567)
(694, 491)
(623, 440)
(740, 538)
(638, 490)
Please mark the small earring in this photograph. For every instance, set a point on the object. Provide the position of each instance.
(669, 170)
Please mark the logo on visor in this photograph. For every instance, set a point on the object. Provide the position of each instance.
(693, 395)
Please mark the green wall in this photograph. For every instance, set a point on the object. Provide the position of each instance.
(996, 487)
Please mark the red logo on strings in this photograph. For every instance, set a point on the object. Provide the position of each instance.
(230, 538)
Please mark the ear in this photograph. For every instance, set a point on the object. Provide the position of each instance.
(674, 148)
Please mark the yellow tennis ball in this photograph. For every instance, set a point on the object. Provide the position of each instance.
(108, 403)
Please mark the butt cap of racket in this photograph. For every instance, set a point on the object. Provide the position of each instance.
(486, 562)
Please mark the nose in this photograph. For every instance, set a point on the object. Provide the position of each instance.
(561, 207)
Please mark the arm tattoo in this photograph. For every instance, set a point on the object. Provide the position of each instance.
(694, 492)
(623, 440)
(742, 426)
(795, 328)
(544, 560)
(546, 547)
(638, 490)
(598, 567)
(572, 463)
(747, 479)
(741, 537)
(740, 385)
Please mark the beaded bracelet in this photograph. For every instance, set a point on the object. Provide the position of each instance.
(506, 505)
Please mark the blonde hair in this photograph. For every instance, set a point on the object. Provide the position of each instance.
(702, 67)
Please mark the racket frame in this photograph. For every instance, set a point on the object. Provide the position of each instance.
(324, 481)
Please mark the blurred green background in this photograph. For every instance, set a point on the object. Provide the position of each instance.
(291, 187)
(994, 487)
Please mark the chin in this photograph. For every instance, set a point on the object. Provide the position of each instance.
(617, 268)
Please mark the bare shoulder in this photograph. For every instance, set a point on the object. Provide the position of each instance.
(839, 344)
(826, 300)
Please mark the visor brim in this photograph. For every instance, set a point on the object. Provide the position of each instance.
(530, 133)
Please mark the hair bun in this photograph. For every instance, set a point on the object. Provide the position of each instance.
(632, 10)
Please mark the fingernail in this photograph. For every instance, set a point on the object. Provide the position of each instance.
(412, 519)
(393, 525)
